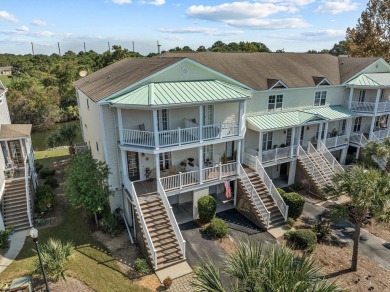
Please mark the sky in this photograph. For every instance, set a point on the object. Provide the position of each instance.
(292, 25)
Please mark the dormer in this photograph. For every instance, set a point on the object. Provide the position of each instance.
(276, 84)
(321, 81)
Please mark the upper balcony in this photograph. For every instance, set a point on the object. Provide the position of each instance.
(370, 107)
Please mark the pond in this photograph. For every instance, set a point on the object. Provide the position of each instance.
(39, 137)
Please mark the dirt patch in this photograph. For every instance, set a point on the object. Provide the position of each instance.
(71, 284)
(151, 282)
(310, 197)
(381, 230)
(227, 244)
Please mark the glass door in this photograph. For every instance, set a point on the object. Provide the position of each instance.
(162, 119)
(15, 150)
(133, 165)
(208, 114)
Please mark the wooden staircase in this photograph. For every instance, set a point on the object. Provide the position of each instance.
(161, 232)
(14, 205)
(276, 217)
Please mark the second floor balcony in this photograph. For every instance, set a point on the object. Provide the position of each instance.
(370, 107)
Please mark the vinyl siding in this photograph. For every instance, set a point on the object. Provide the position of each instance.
(4, 113)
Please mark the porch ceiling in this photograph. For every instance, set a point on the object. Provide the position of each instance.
(15, 131)
(176, 93)
(371, 79)
(265, 122)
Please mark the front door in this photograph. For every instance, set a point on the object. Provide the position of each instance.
(284, 170)
(230, 150)
(133, 165)
(15, 151)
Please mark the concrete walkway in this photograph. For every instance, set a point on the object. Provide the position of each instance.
(16, 244)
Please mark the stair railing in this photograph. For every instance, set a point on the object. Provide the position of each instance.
(172, 218)
(130, 187)
(312, 167)
(276, 197)
(27, 185)
(321, 163)
(253, 193)
(330, 158)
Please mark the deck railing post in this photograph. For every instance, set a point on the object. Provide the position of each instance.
(220, 130)
(179, 135)
(180, 180)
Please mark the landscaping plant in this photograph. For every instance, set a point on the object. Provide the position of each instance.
(322, 229)
(217, 228)
(290, 222)
(4, 242)
(304, 239)
(295, 203)
(65, 135)
(44, 198)
(141, 266)
(207, 207)
(112, 223)
(52, 182)
(45, 172)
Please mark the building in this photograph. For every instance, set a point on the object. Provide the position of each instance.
(235, 125)
(17, 179)
(6, 70)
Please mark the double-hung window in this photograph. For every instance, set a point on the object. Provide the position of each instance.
(267, 141)
(320, 98)
(275, 102)
(357, 124)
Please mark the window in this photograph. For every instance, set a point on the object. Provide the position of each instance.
(275, 102)
(362, 95)
(343, 127)
(267, 140)
(97, 146)
(320, 98)
(87, 103)
(208, 154)
(357, 124)
(165, 160)
(288, 137)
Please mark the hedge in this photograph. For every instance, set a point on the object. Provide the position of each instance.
(45, 172)
(295, 203)
(217, 228)
(207, 207)
(302, 238)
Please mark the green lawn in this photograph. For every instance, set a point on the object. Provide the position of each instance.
(92, 264)
(5, 80)
(48, 157)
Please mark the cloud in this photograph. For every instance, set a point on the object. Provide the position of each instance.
(4, 15)
(45, 33)
(121, 2)
(336, 7)
(288, 2)
(38, 22)
(154, 2)
(173, 38)
(317, 35)
(269, 24)
(202, 30)
(23, 28)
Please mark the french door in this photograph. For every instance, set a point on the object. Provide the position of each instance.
(15, 150)
(162, 119)
(133, 165)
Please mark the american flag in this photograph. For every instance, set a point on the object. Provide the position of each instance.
(228, 190)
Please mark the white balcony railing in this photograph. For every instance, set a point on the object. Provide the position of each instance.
(335, 165)
(336, 141)
(180, 136)
(278, 153)
(193, 178)
(383, 107)
(358, 138)
(382, 134)
(365, 107)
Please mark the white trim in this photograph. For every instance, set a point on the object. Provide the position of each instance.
(279, 82)
(362, 71)
(324, 80)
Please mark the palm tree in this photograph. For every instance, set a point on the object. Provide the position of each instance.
(375, 150)
(262, 267)
(369, 191)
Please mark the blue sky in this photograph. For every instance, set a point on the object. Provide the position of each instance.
(293, 25)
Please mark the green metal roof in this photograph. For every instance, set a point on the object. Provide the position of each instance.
(371, 79)
(171, 93)
(264, 122)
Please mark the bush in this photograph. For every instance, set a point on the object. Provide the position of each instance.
(296, 187)
(45, 172)
(281, 191)
(141, 266)
(322, 229)
(4, 242)
(54, 255)
(290, 222)
(112, 223)
(207, 207)
(302, 239)
(38, 167)
(44, 198)
(217, 228)
(52, 181)
(295, 204)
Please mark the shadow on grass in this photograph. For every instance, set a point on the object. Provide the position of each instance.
(47, 161)
(338, 273)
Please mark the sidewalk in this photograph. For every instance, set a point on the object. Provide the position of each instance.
(16, 244)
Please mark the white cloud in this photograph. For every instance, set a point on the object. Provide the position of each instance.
(173, 38)
(4, 15)
(202, 30)
(121, 1)
(268, 24)
(23, 28)
(45, 33)
(38, 22)
(317, 35)
(154, 2)
(336, 7)
(288, 2)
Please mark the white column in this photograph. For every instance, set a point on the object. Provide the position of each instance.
(124, 163)
(326, 131)
(120, 125)
(201, 123)
(378, 96)
(157, 165)
(372, 128)
(259, 154)
(320, 125)
(200, 158)
(299, 138)
(241, 118)
(238, 151)
(348, 127)
(155, 129)
(292, 144)
(291, 172)
(350, 98)
(343, 155)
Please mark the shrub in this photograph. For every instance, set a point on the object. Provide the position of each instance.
(141, 266)
(295, 204)
(51, 181)
(322, 229)
(45, 172)
(4, 242)
(290, 222)
(281, 191)
(217, 228)
(44, 198)
(207, 207)
(54, 255)
(112, 223)
(38, 167)
(168, 282)
(302, 239)
(296, 187)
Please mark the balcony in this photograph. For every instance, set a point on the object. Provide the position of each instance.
(358, 139)
(369, 107)
(180, 136)
(336, 141)
(382, 134)
(276, 154)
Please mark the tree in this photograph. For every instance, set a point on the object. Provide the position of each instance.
(339, 49)
(375, 151)
(66, 134)
(261, 267)
(369, 192)
(201, 49)
(86, 183)
(371, 36)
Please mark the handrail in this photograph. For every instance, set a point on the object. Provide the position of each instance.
(302, 152)
(330, 158)
(252, 191)
(276, 197)
(320, 162)
(27, 185)
(141, 217)
(172, 218)
(127, 228)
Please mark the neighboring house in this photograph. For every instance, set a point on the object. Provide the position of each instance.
(17, 179)
(175, 128)
(6, 70)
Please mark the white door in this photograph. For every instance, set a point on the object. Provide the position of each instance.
(162, 119)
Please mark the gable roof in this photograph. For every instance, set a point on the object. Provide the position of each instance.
(119, 75)
(371, 79)
(15, 130)
(349, 66)
(171, 93)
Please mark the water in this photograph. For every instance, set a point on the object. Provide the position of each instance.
(39, 138)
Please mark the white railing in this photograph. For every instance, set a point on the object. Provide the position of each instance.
(252, 152)
(190, 124)
(130, 187)
(136, 137)
(27, 185)
(383, 106)
(367, 107)
(321, 164)
(253, 193)
(172, 219)
(211, 132)
(358, 138)
(278, 153)
(254, 162)
(382, 134)
(336, 141)
(191, 178)
(311, 167)
(330, 158)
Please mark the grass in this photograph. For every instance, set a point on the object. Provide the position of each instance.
(47, 157)
(5, 80)
(92, 264)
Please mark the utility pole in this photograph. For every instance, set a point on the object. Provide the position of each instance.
(133, 46)
(158, 48)
(32, 48)
(59, 49)
(85, 50)
(109, 48)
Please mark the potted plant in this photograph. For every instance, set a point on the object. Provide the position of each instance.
(183, 165)
(168, 282)
(191, 162)
(224, 158)
(334, 133)
(148, 173)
